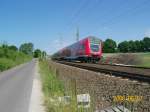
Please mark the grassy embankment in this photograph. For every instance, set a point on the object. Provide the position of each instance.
(144, 58)
(53, 89)
(10, 58)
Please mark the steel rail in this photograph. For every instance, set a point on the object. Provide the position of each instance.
(125, 74)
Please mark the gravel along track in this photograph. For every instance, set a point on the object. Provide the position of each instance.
(141, 74)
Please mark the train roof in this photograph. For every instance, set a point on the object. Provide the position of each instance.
(91, 37)
(88, 37)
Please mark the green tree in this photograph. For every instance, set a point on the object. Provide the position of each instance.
(139, 46)
(132, 46)
(44, 54)
(2, 53)
(27, 48)
(4, 50)
(109, 46)
(146, 43)
(13, 47)
(123, 46)
(37, 53)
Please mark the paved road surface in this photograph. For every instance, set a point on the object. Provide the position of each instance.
(16, 87)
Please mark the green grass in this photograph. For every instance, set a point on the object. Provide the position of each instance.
(145, 57)
(51, 85)
(6, 64)
(13, 60)
(54, 88)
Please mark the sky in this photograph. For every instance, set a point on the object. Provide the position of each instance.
(52, 24)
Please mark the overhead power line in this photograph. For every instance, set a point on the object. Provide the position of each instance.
(76, 17)
(129, 11)
(79, 10)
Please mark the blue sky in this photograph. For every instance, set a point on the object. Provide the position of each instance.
(51, 24)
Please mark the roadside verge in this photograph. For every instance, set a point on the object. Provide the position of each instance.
(36, 101)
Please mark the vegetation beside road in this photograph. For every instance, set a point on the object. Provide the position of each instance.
(51, 85)
(54, 90)
(10, 57)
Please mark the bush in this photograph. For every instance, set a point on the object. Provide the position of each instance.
(6, 63)
(10, 58)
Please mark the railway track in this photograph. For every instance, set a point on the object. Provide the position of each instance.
(133, 73)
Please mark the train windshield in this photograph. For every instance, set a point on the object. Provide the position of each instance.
(94, 44)
(94, 48)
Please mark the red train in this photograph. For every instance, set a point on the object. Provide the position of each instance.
(85, 50)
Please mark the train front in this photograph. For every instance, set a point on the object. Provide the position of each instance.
(95, 48)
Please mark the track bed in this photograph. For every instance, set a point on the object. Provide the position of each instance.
(137, 73)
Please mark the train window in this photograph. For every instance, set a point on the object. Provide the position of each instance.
(82, 47)
(94, 47)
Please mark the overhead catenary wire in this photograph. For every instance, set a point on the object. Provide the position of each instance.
(97, 3)
(75, 21)
(129, 11)
(82, 4)
(77, 15)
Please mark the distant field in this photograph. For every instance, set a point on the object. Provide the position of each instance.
(143, 58)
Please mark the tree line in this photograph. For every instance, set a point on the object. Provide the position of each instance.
(10, 55)
(28, 48)
(110, 46)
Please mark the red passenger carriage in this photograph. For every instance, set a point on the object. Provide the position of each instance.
(85, 50)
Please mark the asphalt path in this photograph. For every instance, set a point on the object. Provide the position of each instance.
(16, 88)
